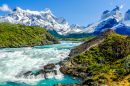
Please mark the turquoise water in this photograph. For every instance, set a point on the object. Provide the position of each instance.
(48, 82)
(17, 61)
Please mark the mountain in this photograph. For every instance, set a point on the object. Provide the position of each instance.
(75, 28)
(109, 19)
(60, 28)
(43, 19)
(16, 35)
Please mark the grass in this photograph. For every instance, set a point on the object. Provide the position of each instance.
(16, 35)
(74, 39)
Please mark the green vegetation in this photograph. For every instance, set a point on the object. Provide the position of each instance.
(74, 39)
(108, 62)
(83, 35)
(55, 34)
(15, 35)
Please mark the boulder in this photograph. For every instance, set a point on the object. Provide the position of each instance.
(64, 69)
(49, 66)
(61, 63)
(40, 72)
(28, 73)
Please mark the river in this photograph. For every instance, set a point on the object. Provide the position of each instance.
(17, 61)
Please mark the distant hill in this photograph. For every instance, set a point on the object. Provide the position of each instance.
(16, 35)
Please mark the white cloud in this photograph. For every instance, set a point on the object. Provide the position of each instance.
(121, 6)
(5, 8)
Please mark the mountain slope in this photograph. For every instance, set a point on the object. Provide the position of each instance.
(15, 35)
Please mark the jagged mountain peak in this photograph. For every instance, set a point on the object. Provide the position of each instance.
(47, 11)
(106, 11)
(127, 15)
(117, 8)
(17, 9)
(128, 11)
(114, 13)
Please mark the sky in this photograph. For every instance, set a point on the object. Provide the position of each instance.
(81, 12)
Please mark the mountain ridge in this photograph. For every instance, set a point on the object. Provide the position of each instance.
(60, 27)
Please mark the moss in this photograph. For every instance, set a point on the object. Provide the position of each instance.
(15, 35)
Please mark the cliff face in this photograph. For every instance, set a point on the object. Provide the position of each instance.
(15, 35)
(91, 43)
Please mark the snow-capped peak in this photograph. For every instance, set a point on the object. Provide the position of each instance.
(127, 18)
(115, 13)
(47, 9)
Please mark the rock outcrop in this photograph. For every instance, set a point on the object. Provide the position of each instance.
(91, 43)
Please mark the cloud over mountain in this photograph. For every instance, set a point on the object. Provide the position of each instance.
(5, 8)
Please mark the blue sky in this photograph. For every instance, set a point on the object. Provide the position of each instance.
(80, 12)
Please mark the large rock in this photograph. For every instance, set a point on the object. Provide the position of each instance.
(64, 69)
(49, 66)
(27, 74)
(40, 72)
(91, 43)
